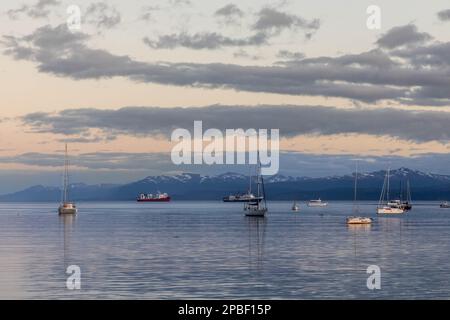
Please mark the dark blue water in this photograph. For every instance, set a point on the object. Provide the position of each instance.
(210, 250)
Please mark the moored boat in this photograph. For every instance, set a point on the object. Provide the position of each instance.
(445, 205)
(159, 197)
(246, 197)
(389, 210)
(257, 208)
(385, 206)
(66, 206)
(295, 206)
(359, 220)
(317, 203)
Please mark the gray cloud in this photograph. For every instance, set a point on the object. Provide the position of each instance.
(289, 55)
(180, 2)
(148, 12)
(95, 161)
(401, 36)
(102, 16)
(291, 120)
(230, 12)
(208, 40)
(269, 24)
(369, 77)
(272, 20)
(40, 9)
(241, 53)
(444, 15)
(120, 167)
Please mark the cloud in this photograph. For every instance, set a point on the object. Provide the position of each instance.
(444, 15)
(369, 77)
(209, 40)
(148, 12)
(289, 55)
(419, 126)
(102, 16)
(120, 167)
(274, 21)
(241, 53)
(401, 36)
(180, 2)
(40, 9)
(95, 161)
(229, 13)
(269, 24)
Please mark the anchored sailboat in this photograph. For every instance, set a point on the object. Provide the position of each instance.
(357, 219)
(66, 207)
(295, 206)
(384, 205)
(406, 205)
(258, 207)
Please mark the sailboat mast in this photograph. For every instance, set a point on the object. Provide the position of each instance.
(408, 191)
(388, 178)
(383, 191)
(356, 182)
(356, 187)
(250, 182)
(258, 177)
(66, 175)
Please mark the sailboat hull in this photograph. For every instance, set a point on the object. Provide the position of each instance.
(256, 212)
(389, 210)
(67, 211)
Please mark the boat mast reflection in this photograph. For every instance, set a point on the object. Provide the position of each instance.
(256, 238)
(67, 221)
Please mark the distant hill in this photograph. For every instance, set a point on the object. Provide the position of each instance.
(187, 186)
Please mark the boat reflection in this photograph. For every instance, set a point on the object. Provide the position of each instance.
(67, 221)
(256, 238)
(359, 227)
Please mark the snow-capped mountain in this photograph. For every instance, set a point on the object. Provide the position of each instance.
(189, 186)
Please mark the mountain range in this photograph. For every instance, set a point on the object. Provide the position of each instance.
(188, 186)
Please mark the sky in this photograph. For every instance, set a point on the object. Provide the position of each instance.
(134, 71)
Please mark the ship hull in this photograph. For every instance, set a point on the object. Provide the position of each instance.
(241, 200)
(154, 200)
(67, 210)
(389, 210)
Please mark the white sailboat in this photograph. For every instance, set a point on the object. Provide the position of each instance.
(295, 206)
(258, 207)
(357, 219)
(384, 205)
(66, 207)
(317, 203)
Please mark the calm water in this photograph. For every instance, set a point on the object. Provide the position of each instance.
(210, 250)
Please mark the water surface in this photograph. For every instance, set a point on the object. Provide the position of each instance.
(210, 250)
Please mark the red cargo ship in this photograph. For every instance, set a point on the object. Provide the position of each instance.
(159, 197)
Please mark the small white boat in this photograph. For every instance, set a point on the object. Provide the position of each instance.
(389, 210)
(66, 207)
(394, 203)
(445, 205)
(295, 207)
(254, 211)
(385, 206)
(359, 220)
(317, 203)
